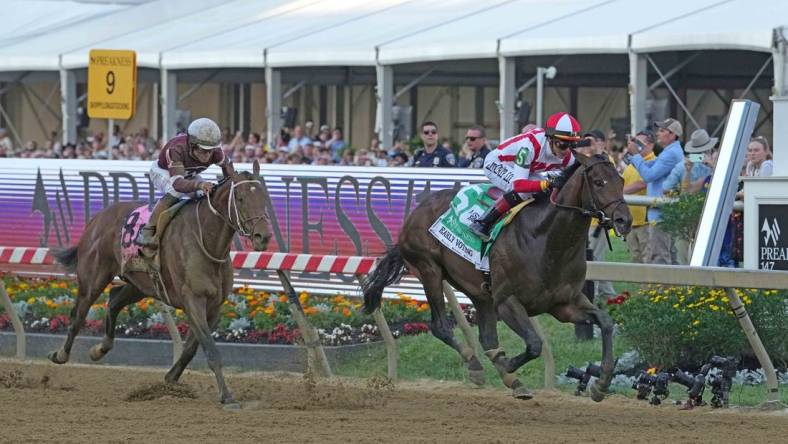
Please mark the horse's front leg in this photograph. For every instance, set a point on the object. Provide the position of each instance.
(584, 311)
(196, 306)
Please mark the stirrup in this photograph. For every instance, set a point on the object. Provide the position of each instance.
(147, 238)
(479, 230)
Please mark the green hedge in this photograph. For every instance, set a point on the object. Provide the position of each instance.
(684, 326)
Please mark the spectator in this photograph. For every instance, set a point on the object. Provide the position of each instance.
(699, 143)
(432, 155)
(476, 144)
(116, 138)
(597, 239)
(637, 239)
(654, 173)
(336, 144)
(5, 141)
(298, 139)
(399, 160)
(759, 158)
(527, 127)
(323, 136)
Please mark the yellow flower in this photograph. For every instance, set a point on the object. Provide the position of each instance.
(714, 307)
(696, 322)
(31, 301)
(675, 305)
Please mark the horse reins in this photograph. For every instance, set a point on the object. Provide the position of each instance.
(595, 211)
(238, 226)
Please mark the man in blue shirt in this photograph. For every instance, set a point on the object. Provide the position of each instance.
(654, 174)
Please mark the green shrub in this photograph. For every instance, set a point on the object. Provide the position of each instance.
(681, 218)
(684, 326)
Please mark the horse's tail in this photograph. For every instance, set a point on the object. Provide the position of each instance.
(67, 257)
(386, 273)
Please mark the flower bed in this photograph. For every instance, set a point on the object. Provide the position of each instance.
(249, 316)
(684, 326)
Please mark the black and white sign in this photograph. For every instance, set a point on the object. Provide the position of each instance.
(772, 241)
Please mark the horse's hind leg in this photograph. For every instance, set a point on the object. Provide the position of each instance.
(189, 350)
(89, 291)
(432, 279)
(514, 315)
(119, 298)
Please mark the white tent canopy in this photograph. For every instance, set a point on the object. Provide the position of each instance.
(23, 19)
(42, 53)
(194, 22)
(186, 34)
(353, 43)
(603, 28)
(476, 35)
(733, 24)
(245, 46)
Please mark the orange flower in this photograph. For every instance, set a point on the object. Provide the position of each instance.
(310, 310)
(283, 299)
(232, 314)
(346, 312)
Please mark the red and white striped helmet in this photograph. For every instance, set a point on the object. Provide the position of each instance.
(563, 126)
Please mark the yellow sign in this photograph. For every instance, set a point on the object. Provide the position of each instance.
(112, 84)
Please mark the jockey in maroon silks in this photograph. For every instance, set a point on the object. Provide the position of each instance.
(176, 172)
(526, 164)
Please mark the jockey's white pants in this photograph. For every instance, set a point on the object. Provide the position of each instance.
(163, 182)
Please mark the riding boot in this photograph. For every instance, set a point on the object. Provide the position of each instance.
(482, 226)
(147, 236)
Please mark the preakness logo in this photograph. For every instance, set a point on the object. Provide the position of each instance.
(770, 232)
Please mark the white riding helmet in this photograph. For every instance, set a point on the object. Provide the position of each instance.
(205, 133)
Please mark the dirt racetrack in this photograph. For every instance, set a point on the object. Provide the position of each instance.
(78, 403)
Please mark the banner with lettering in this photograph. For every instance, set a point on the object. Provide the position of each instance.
(318, 210)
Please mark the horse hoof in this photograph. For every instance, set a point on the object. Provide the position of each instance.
(596, 393)
(96, 353)
(58, 357)
(231, 405)
(522, 392)
(476, 377)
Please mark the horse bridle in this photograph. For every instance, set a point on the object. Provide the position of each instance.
(232, 208)
(595, 211)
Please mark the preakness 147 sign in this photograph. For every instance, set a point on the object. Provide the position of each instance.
(112, 84)
(772, 241)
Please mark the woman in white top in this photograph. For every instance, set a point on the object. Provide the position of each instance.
(759, 156)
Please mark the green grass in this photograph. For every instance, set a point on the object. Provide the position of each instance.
(425, 356)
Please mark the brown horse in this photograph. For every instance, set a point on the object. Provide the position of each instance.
(537, 264)
(195, 266)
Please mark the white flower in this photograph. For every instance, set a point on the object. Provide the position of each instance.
(241, 323)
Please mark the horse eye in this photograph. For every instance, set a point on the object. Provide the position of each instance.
(599, 182)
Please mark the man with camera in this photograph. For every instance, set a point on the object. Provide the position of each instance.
(654, 172)
(637, 239)
(593, 143)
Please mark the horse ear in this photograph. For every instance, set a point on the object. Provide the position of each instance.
(256, 169)
(580, 158)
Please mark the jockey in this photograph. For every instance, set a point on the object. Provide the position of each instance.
(177, 170)
(527, 163)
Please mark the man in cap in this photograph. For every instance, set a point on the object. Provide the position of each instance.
(654, 173)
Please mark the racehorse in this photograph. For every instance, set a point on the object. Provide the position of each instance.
(194, 266)
(537, 265)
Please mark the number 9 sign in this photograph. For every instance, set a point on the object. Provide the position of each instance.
(112, 84)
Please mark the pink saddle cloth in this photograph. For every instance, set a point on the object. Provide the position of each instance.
(128, 233)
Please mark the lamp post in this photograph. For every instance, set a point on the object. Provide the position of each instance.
(541, 73)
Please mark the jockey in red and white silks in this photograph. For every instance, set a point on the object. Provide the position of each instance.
(528, 163)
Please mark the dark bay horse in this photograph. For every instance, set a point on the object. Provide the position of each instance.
(537, 265)
(195, 266)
